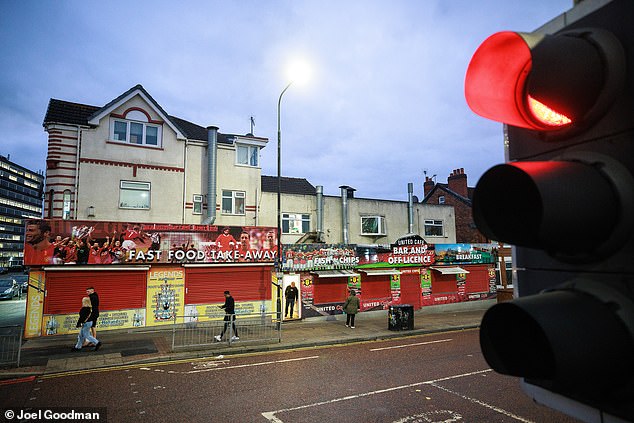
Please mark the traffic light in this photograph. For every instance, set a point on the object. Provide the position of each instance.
(565, 200)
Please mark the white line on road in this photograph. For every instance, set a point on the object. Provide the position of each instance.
(264, 363)
(270, 415)
(411, 345)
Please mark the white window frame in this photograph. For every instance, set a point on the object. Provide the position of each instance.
(434, 224)
(66, 198)
(441, 199)
(381, 225)
(235, 197)
(145, 125)
(198, 204)
(253, 152)
(295, 223)
(133, 187)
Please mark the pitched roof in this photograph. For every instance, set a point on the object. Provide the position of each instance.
(445, 188)
(60, 111)
(299, 186)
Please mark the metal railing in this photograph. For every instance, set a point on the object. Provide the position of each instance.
(189, 332)
(10, 345)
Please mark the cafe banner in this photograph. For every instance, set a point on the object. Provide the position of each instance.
(68, 242)
(465, 253)
(301, 257)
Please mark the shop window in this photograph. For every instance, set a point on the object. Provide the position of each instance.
(134, 195)
(233, 202)
(295, 223)
(372, 225)
(434, 228)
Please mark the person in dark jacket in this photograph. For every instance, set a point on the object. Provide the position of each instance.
(291, 294)
(230, 316)
(94, 301)
(351, 307)
(85, 324)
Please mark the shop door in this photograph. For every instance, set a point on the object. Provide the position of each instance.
(206, 285)
(287, 280)
(411, 292)
(330, 290)
(117, 290)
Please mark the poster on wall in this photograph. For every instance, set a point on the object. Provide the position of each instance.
(165, 293)
(465, 253)
(406, 251)
(62, 324)
(68, 242)
(300, 257)
(34, 304)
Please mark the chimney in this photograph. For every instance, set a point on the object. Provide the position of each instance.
(428, 185)
(457, 182)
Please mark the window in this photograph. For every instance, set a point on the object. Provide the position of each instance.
(66, 207)
(247, 155)
(233, 202)
(198, 204)
(134, 195)
(295, 223)
(441, 199)
(433, 228)
(139, 133)
(372, 225)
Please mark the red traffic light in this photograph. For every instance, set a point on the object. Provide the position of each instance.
(545, 82)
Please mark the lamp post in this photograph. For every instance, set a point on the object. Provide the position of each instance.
(278, 260)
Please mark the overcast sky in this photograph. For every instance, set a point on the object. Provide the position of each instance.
(384, 103)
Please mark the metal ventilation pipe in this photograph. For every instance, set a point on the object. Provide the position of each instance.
(320, 212)
(410, 208)
(345, 192)
(212, 166)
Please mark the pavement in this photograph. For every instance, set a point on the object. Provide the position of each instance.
(52, 354)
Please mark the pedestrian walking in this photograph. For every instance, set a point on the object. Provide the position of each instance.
(94, 302)
(291, 294)
(85, 323)
(351, 308)
(230, 318)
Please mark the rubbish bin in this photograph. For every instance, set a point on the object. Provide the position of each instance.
(400, 317)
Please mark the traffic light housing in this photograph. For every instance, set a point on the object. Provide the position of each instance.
(565, 200)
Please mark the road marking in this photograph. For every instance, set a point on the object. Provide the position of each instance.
(271, 415)
(484, 404)
(411, 345)
(263, 363)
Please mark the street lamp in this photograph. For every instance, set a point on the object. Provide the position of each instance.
(298, 72)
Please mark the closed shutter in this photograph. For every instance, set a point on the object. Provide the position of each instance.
(330, 290)
(117, 290)
(443, 284)
(411, 289)
(204, 285)
(375, 287)
(478, 279)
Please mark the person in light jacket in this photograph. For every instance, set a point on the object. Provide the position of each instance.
(85, 323)
(351, 307)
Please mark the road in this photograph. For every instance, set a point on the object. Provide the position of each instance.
(433, 378)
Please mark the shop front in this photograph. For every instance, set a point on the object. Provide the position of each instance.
(145, 274)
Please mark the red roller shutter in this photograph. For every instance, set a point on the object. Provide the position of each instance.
(118, 290)
(330, 290)
(375, 287)
(411, 292)
(443, 284)
(204, 285)
(478, 279)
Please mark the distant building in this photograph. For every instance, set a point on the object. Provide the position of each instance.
(456, 193)
(20, 198)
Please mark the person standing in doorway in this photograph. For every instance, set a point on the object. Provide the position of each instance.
(351, 307)
(291, 294)
(230, 317)
(94, 301)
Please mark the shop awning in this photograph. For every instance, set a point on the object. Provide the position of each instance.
(334, 273)
(379, 272)
(451, 270)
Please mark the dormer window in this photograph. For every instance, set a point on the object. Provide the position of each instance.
(247, 155)
(135, 128)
